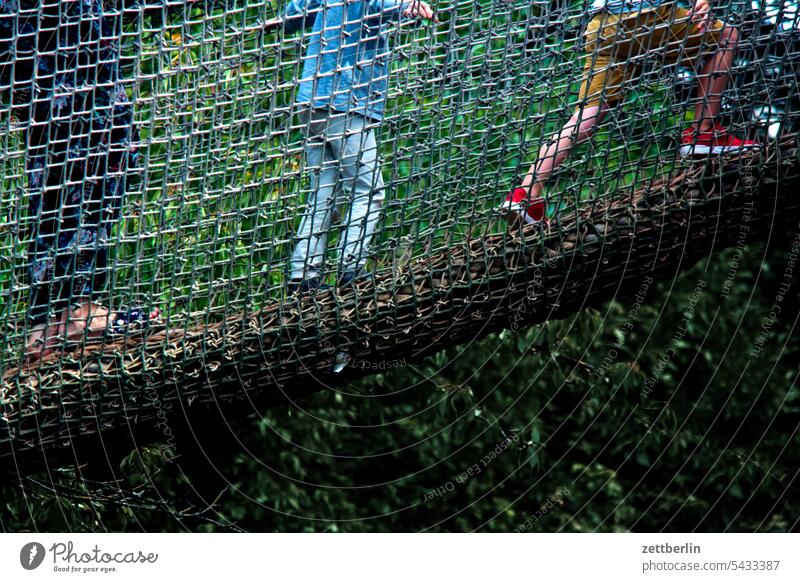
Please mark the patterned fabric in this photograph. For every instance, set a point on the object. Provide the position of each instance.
(59, 62)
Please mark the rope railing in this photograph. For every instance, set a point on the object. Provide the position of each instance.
(182, 182)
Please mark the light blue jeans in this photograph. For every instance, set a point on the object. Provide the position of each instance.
(342, 158)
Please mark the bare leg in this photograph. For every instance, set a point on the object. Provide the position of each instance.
(87, 320)
(714, 79)
(44, 338)
(579, 128)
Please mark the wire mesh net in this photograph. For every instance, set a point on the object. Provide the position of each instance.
(182, 181)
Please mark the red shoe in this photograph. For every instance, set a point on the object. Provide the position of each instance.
(715, 141)
(519, 207)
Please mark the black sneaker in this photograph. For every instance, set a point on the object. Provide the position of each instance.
(306, 285)
(353, 277)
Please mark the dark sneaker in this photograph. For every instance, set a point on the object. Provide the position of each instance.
(306, 285)
(129, 320)
(519, 207)
(353, 277)
(715, 141)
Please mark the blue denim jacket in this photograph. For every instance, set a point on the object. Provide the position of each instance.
(346, 64)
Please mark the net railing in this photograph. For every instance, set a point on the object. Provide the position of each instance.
(211, 167)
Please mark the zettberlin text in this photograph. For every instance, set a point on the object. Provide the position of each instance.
(671, 549)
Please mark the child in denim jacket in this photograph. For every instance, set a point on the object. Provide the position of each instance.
(341, 96)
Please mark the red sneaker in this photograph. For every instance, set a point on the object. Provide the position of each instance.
(715, 141)
(519, 207)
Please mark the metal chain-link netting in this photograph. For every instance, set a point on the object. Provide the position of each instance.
(204, 201)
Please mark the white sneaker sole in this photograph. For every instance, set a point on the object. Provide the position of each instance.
(702, 150)
(515, 213)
